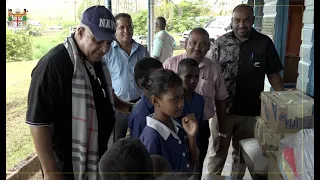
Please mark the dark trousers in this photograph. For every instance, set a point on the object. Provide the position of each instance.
(204, 142)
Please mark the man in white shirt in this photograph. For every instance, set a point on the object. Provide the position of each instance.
(164, 43)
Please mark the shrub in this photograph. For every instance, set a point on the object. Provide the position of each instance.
(18, 46)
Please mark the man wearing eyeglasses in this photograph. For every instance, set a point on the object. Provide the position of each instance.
(211, 83)
(120, 60)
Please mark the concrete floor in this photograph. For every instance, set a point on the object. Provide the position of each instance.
(227, 167)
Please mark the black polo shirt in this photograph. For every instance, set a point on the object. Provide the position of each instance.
(244, 66)
(50, 103)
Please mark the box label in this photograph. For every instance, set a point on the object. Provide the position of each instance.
(292, 123)
(283, 116)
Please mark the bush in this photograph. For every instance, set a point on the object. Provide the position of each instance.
(18, 46)
(42, 44)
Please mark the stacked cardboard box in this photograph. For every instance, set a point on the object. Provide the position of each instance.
(282, 113)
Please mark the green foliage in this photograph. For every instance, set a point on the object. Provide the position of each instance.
(85, 4)
(18, 46)
(44, 43)
(140, 21)
(180, 17)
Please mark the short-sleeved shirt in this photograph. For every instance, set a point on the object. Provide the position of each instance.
(162, 141)
(121, 68)
(244, 66)
(50, 103)
(211, 82)
(137, 117)
(163, 45)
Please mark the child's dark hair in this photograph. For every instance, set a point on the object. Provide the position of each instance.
(160, 81)
(10, 9)
(160, 165)
(187, 62)
(142, 70)
(124, 160)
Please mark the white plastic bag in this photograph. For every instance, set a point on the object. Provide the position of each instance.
(300, 166)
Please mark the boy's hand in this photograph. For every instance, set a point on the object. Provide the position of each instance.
(190, 125)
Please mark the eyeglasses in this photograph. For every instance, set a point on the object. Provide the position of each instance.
(194, 44)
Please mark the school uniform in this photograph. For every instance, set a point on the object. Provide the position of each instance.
(195, 106)
(173, 146)
(137, 117)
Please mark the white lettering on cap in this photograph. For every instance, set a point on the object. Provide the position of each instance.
(107, 23)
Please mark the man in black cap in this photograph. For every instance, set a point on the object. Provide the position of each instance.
(71, 100)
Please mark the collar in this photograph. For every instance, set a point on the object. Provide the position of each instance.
(252, 35)
(160, 32)
(134, 44)
(146, 101)
(162, 129)
(204, 62)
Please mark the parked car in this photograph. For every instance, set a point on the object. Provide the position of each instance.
(141, 39)
(216, 27)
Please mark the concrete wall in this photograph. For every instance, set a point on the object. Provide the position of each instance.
(305, 81)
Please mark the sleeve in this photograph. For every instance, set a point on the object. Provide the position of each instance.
(43, 97)
(152, 143)
(220, 87)
(273, 64)
(174, 42)
(166, 64)
(157, 45)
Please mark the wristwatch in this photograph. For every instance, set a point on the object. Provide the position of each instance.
(222, 135)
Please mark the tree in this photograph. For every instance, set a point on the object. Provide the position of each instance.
(74, 2)
(85, 4)
(140, 22)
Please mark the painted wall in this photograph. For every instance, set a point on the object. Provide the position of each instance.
(305, 80)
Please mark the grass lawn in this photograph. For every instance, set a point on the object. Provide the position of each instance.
(19, 143)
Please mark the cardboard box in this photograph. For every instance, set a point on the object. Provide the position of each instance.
(268, 141)
(273, 169)
(287, 111)
(260, 128)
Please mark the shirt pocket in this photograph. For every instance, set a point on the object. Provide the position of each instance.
(206, 88)
(258, 61)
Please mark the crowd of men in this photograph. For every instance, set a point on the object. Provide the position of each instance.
(180, 110)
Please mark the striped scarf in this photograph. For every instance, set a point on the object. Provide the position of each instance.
(85, 151)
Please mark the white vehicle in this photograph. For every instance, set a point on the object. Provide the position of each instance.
(216, 27)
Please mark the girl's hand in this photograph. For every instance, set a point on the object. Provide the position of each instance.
(190, 125)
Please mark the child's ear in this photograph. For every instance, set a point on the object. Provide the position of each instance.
(155, 101)
(139, 83)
